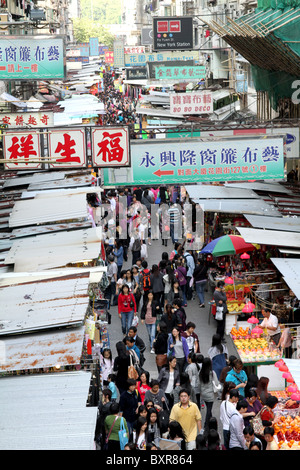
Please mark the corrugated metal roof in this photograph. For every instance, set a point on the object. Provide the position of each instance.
(48, 208)
(289, 224)
(54, 250)
(46, 412)
(45, 304)
(210, 191)
(238, 206)
(34, 178)
(271, 187)
(34, 351)
(270, 237)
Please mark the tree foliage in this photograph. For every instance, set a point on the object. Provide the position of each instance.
(84, 30)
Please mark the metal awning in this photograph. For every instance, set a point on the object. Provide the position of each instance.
(48, 208)
(289, 224)
(289, 267)
(34, 351)
(43, 304)
(47, 412)
(260, 186)
(238, 206)
(270, 237)
(210, 191)
(55, 250)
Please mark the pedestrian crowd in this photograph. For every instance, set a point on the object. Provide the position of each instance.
(174, 408)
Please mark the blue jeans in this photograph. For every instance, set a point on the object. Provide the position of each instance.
(151, 329)
(126, 321)
(200, 286)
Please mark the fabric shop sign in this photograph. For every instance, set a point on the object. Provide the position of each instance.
(191, 161)
(197, 102)
(173, 33)
(142, 59)
(32, 57)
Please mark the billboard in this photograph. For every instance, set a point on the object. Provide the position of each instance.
(173, 33)
(194, 160)
(137, 73)
(32, 57)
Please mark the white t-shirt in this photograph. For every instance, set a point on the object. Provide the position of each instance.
(226, 410)
(273, 322)
(170, 385)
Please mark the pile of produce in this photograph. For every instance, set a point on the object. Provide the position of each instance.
(287, 431)
(252, 349)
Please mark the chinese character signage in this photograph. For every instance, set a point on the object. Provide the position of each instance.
(22, 150)
(198, 102)
(67, 148)
(109, 57)
(110, 147)
(134, 50)
(142, 59)
(94, 47)
(173, 34)
(32, 57)
(119, 59)
(192, 161)
(33, 120)
(180, 73)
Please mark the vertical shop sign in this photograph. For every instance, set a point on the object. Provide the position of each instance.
(110, 147)
(22, 150)
(67, 148)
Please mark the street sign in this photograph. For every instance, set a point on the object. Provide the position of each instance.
(190, 161)
(139, 60)
(173, 34)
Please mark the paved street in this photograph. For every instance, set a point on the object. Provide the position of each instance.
(198, 315)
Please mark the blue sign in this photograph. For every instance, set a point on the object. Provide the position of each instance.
(94, 47)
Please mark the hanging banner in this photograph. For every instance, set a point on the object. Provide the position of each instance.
(21, 150)
(67, 148)
(119, 59)
(94, 47)
(196, 102)
(109, 57)
(110, 147)
(192, 161)
(32, 57)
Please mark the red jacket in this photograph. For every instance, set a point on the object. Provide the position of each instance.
(124, 303)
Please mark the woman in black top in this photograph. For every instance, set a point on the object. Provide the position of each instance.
(169, 318)
(160, 345)
(121, 363)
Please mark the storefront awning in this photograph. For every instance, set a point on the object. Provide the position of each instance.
(288, 224)
(270, 237)
(237, 206)
(207, 191)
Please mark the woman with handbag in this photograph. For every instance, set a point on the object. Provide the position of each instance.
(160, 345)
(208, 385)
(220, 299)
(126, 308)
(113, 424)
(254, 406)
(151, 309)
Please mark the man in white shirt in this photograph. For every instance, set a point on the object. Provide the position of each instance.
(227, 408)
(270, 322)
(236, 427)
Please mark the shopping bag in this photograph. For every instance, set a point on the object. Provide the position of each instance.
(219, 313)
(132, 372)
(123, 437)
(144, 251)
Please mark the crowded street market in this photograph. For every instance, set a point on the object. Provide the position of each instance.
(149, 279)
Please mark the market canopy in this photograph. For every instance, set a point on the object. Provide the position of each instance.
(238, 206)
(270, 237)
(289, 224)
(290, 270)
(211, 191)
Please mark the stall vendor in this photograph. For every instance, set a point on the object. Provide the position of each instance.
(270, 322)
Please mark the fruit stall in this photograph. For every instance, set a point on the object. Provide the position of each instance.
(287, 412)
